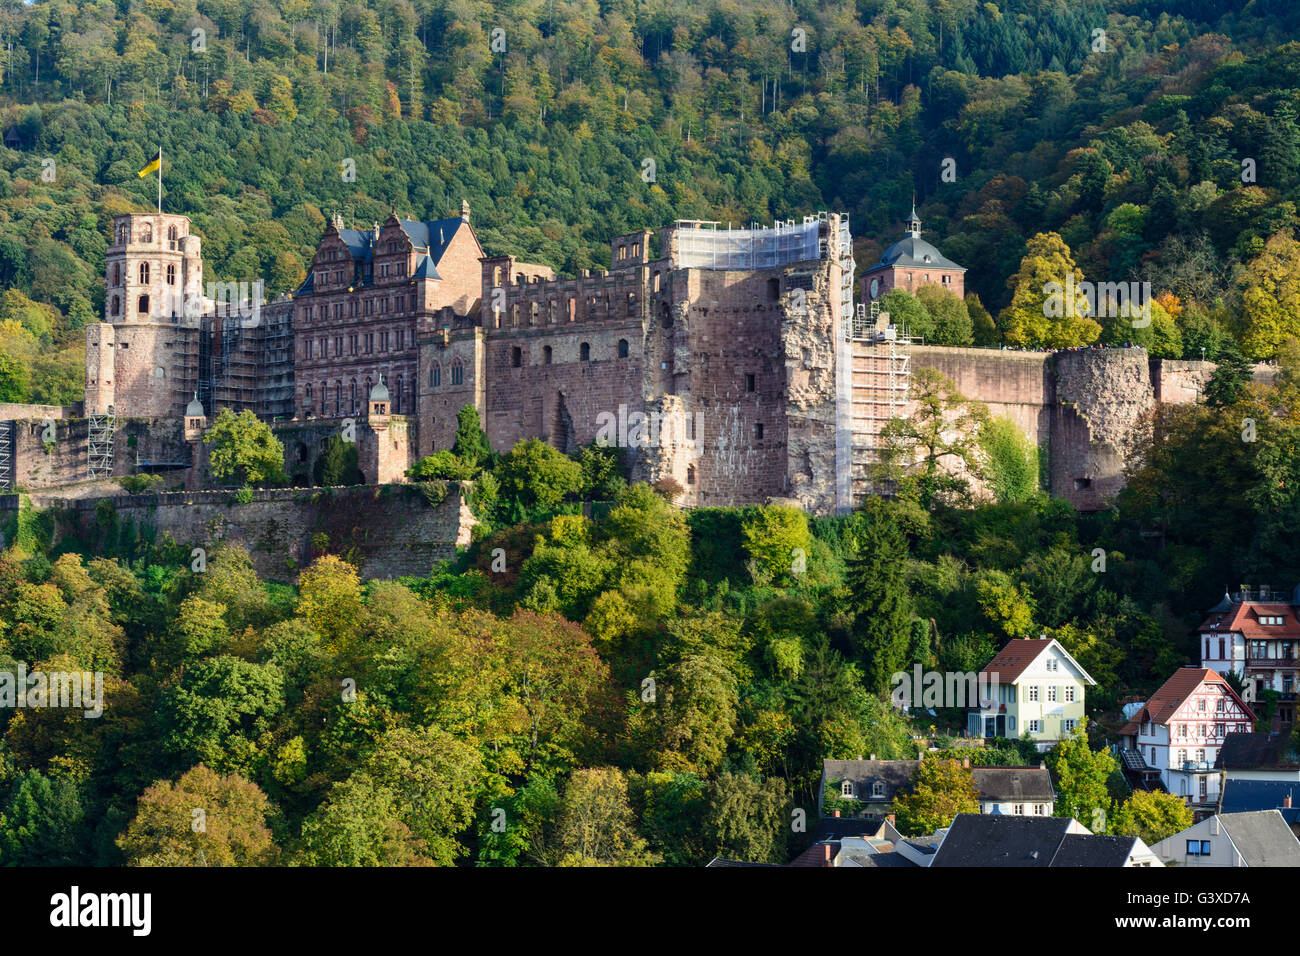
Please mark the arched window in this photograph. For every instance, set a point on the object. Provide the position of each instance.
(171, 274)
(435, 375)
(622, 348)
(173, 234)
(144, 273)
(690, 474)
(146, 232)
(338, 398)
(123, 233)
(352, 390)
(117, 273)
(546, 355)
(307, 393)
(115, 307)
(397, 397)
(584, 352)
(142, 306)
(457, 372)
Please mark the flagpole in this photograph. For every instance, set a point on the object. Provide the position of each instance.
(160, 179)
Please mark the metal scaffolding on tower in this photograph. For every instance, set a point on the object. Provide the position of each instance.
(99, 444)
(882, 378)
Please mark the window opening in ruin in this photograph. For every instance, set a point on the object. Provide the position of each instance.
(622, 348)
(758, 431)
(516, 357)
(584, 352)
(546, 355)
(749, 383)
(773, 289)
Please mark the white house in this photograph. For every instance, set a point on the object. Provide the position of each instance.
(1039, 691)
(1261, 838)
(1178, 733)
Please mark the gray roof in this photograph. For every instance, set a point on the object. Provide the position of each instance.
(1000, 784)
(380, 391)
(1254, 751)
(890, 858)
(431, 239)
(1014, 784)
(989, 840)
(195, 409)
(1262, 838)
(913, 251)
(1244, 796)
(1079, 849)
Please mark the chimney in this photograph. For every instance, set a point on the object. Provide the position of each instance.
(873, 757)
(836, 813)
(1042, 765)
(828, 854)
(890, 818)
(1286, 801)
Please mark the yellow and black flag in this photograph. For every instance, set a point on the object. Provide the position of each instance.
(157, 162)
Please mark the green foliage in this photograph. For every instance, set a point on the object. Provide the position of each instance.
(941, 790)
(441, 465)
(244, 451)
(140, 484)
(777, 541)
(337, 464)
(471, 443)
(535, 478)
(1011, 461)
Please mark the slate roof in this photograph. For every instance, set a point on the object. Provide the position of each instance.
(912, 252)
(1013, 784)
(718, 863)
(1255, 752)
(1079, 849)
(430, 239)
(896, 775)
(1262, 838)
(1244, 796)
(993, 840)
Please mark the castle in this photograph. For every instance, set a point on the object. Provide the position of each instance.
(732, 361)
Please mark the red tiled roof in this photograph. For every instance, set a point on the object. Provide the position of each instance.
(1010, 662)
(1244, 617)
(1172, 694)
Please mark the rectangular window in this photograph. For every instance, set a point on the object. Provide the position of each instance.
(1069, 694)
(1032, 693)
(749, 383)
(1051, 694)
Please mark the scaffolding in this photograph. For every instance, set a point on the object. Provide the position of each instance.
(99, 444)
(6, 455)
(699, 247)
(881, 357)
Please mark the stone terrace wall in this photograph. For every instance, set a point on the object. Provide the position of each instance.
(394, 529)
(1018, 385)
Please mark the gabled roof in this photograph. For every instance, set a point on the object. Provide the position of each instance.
(718, 863)
(1165, 702)
(989, 840)
(430, 239)
(1080, 849)
(1014, 784)
(996, 840)
(1262, 838)
(894, 774)
(1014, 659)
(1256, 752)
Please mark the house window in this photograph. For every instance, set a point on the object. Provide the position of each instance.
(1198, 847)
(1038, 810)
(1032, 692)
(1182, 757)
(1051, 694)
(1019, 809)
(1034, 726)
(846, 788)
(1068, 724)
(877, 789)
(1051, 664)
(1069, 694)
(1200, 704)
(584, 352)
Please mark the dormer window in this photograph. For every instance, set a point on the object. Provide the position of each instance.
(877, 789)
(846, 788)
(1271, 621)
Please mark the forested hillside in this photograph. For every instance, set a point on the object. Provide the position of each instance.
(1129, 145)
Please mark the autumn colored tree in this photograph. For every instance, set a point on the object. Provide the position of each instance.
(941, 790)
(1042, 313)
(203, 819)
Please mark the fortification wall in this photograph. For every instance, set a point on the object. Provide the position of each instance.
(392, 530)
(1018, 385)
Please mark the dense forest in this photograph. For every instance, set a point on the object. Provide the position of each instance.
(1163, 148)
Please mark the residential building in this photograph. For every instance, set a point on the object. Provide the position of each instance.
(872, 785)
(1039, 691)
(1177, 734)
(1260, 838)
(1002, 841)
(1255, 634)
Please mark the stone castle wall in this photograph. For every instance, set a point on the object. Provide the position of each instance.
(392, 530)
